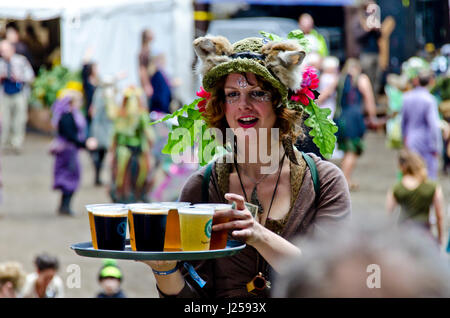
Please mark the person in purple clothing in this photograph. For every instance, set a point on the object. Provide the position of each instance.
(71, 135)
(420, 123)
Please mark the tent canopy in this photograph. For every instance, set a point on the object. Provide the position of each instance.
(112, 30)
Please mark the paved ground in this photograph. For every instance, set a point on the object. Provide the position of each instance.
(29, 224)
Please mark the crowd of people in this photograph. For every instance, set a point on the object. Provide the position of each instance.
(291, 202)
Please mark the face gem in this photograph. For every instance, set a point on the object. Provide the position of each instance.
(242, 82)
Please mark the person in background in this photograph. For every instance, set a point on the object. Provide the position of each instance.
(420, 123)
(13, 36)
(110, 279)
(151, 73)
(12, 277)
(316, 40)
(354, 95)
(328, 82)
(132, 141)
(367, 35)
(44, 282)
(370, 258)
(416, 194)
(71, 136)
(15, 74)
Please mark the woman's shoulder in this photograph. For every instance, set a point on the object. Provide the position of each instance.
(192, 188)
(326, 169)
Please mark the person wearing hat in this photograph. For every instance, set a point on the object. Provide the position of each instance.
(251, 89)
(71, 136)
(110, 279)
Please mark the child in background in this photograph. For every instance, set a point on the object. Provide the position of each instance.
(12, 277)
(110, 279)
(415, 194)
(70, 125)
(44, 282)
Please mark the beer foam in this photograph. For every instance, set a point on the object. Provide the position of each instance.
(110, 211)
(143, 205)
(196, 210)
(215, 206)
(90, 207)
(147, 210)
(111, 214)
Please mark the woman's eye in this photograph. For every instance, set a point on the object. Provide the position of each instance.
(260, 95)
(232, 94)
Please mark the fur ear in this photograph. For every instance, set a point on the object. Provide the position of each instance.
(212, 50)
(284, 59)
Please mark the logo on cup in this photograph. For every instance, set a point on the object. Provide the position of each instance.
(208, 228)
(122, 228)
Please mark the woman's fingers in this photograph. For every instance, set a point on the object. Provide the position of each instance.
(237, 199)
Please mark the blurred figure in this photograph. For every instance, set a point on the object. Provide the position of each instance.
(13, 37)
(102, 126)
(15, 74)
(12, 277)
(420, 123)
(71, 136)
(367, 34)
(151, 72)
(394, 89)
(370, 258)
(329, 79)
(133, 139)
(354, 95)
(316, 40)
(416, 194)
(89, 76)
(44, 282)
(37, 49)
(110, 280)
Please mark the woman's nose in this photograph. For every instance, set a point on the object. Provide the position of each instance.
(244, 101)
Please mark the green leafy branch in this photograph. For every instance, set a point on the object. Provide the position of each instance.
(323, 129)
(293, 35)
(191, 128)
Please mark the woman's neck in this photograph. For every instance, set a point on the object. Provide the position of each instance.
(256, 161)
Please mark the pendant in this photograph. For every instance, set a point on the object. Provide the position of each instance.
(257, 284)
(255, 201)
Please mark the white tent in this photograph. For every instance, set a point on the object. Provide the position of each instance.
(112, 28)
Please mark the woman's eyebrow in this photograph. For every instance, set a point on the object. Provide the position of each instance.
(237, 87)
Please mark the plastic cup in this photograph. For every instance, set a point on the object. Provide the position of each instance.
(110, 226)
(195, 228)
(218, 238)
(89, 208)
(173, 241)
(147, 227)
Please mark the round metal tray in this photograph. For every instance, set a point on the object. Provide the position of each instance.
(86, 249)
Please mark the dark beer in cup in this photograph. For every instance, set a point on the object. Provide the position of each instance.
(89, 209)
(110, 224)
(147, 228)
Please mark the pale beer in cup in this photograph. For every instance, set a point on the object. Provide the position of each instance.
(195, 228)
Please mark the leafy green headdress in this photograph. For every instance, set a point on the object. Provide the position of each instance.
(274, 59)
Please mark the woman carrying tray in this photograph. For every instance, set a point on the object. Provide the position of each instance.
(251, 85)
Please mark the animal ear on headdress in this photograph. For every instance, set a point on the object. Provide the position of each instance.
(212, 51)
(284, 60)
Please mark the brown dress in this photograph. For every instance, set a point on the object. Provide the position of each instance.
(228, 277)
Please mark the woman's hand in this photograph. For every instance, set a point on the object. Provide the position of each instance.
(161, 266)
(244, 227)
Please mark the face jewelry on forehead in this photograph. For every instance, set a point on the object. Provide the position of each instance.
(242, 82)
